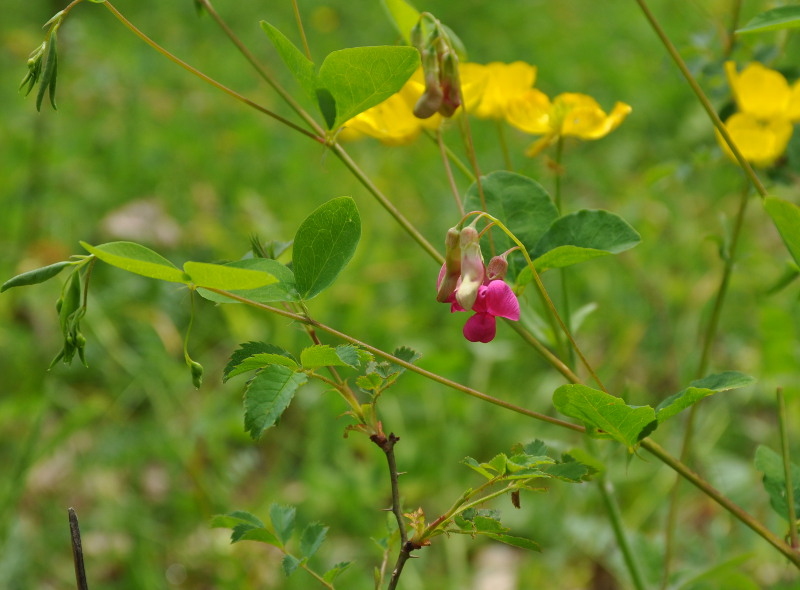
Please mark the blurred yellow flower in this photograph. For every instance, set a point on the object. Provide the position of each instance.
(487, 89)
(768, 107)
(568, 114)
(393, 121)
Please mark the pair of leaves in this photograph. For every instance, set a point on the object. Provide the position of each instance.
(607, 416)
(349, 81)
(248, 527)
(528, 212)
(323, 245)
(279, 375)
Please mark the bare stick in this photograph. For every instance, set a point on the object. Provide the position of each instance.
(77, 550)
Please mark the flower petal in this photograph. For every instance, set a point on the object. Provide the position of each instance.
(793, 112)
(504, 82)
(481, 327)
(761, 142)
(758, 90)
(530, 112)
(501, 301)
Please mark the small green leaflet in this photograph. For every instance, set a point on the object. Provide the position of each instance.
(227, 278)
(324, 244)
(246, 527)
(783, 17)
(335, 571)
(786, 217)
(699, 389)
(771, 464)
(311, 538)
(282, 518)
(38, 275)
(322, 355)
(349, 81)
(268, 395)
(283, 289)
(249, 349)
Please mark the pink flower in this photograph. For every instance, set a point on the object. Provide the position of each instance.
(494, 299)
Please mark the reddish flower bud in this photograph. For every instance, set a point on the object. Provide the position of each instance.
(451, 271)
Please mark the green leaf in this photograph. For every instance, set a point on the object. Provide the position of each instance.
(299, 65)
(281, 290)
(699, 389)
(771, 463)
(521, 204)
(311, 538)
(260, 361)
(267, 397)
(571, 471)
(581, 236)
(322, 355)
(246, 527)
(784, 17)
(472, 463)
(362, 77)
(605, 413)
(139, 260)
(334, 572)
(248, 349)
(486, 524)
(33, 277)
(49, 73)
(520, 542)
(403, 15)
(227, 278)
(786, 217)
(324, 244)
(289, 564)
(349, 355)
(282, 518)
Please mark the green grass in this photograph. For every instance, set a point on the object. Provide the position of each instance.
(146, 460)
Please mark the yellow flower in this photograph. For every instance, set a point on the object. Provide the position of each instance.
(767, 108)
(487, 89)
(393, 121)
(568, 114)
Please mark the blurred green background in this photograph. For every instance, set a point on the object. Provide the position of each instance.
(140, 150)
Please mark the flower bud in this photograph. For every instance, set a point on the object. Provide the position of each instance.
(197, 373)
(431, 100)
(497, 268)
(472, 269)
(450, 84)
(452, 266)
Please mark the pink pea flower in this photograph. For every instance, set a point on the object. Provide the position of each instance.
(494, 299)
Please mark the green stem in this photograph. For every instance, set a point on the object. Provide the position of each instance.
(730, 34)
(607, 494)
(449, 171)
(501, 138)
(787, 469)
(453, 157)
(712, 114)
(556, 362)
(302, 30)
(565, 304)
(206, 78)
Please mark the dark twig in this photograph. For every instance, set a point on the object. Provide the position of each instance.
(405, 555)
(386, 444)
(77, 550)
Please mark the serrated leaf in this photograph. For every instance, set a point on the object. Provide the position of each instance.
(783, 17)
(771, 464)
(570, 471)
(699, 389)
(36, 276)
(349, 355)
(521, 204)
(282, 289)
(246, 527)
(403, 16)
(289, 564)
(535, 448)
(335, 571)
(520, 542)
(603, 412)
(299, 65)
(369, 381)
(137, 259)
(322, 355)
(267, 396)
(473, 464)
(311, 538)
(227, 278)
(231, 519)
(498, 463)
(260, 535)
(486, 524)
(786, 217)
(324, 244)
(248, 349)
(359, 78)
(581, 236)
(260, 361)
(282, 518)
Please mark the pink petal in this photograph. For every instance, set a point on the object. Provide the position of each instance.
(441, 276)
(480, 328)
(501, 301)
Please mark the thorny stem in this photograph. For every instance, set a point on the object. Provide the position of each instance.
(449, 171)
(206, 78)
(709, 336)
(405, 555)
(787, 470)
(386, 444)
(709, 108)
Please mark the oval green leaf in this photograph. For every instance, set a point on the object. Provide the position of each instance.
(282, 289)
(784, 17)
(324, 244)
(299, 65)
(137, 259)
(36, 276)
(225, 277)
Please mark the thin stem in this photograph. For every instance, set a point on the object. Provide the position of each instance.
(787, 469)
(466, 133)
(709, 337)
(501, 139)
(386, 444)
(710, 491)
(565, 304)
(206, 78)
(405, 555)
(449, 171)
(712, 114)
(607, 494)
(302, 30)
(316, 576)
(453, 158)
(730, 37)
(556, 362)
(77, 550)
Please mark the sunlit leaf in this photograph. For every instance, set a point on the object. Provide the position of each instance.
(403, 15)
(227, 278)
(137, 259)
(283, 289)
(322, 355)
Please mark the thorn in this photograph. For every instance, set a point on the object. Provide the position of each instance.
(386, 509)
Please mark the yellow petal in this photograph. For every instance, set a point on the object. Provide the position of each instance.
(473, 79)
(761, 142)
(793, 111)
(530, 112)
(503, 83)
(759, 91)
(580, 115)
